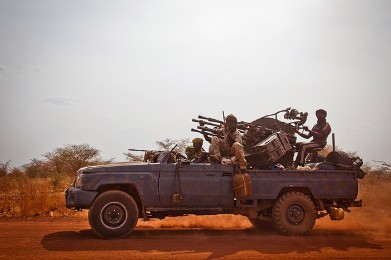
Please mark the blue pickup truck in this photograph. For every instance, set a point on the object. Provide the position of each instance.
(117, 195)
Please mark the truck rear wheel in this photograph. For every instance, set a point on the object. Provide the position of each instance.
(294, 213)
(113, 214)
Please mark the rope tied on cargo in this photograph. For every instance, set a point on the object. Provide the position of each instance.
(242, 185)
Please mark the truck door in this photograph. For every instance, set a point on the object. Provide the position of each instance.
(200, 185)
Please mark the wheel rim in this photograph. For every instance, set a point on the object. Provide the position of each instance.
(113, 215)
(295, 214)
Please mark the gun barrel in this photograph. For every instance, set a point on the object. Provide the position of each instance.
(203, 132)
(144, 150)
(137, 150)
(202, 122)
(206, 129)
(211, 119)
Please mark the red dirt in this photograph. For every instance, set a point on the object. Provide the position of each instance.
(195, 237)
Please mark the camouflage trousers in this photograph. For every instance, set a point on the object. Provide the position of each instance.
(219, 148)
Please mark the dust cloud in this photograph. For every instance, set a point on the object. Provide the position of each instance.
(375, 214)
(193, 221)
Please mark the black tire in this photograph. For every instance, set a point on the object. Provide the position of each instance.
(294, 213)
(113, 214)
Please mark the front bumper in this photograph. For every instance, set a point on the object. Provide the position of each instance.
(79, 199)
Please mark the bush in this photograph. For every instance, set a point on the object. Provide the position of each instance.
(374, 191)
(23, 196)
(37, 188)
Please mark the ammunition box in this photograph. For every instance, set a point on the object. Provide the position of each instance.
(273, 147)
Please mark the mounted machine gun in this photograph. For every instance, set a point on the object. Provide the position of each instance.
(266, 140)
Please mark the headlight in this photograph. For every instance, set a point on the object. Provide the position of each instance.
(78, 183)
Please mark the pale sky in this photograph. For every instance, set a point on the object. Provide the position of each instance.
(123, 74)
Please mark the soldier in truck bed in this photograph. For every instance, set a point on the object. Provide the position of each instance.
(319, 133)
(230, 145)
(200, 156)
(189, 153)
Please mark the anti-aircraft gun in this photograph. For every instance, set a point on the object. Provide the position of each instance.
(267, 140)
(278, 144)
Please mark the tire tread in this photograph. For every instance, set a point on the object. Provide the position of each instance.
(278, 209)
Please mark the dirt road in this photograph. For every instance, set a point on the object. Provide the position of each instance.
(72, 237)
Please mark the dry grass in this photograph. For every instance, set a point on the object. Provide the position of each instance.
(30, 197)
(374, 191)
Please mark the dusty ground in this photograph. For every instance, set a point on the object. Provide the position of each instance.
(194, 237)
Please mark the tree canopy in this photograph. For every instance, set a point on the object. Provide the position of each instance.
(67, 159)
(163, 145)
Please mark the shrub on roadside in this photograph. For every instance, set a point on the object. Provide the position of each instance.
(23, 196)
(374, 191)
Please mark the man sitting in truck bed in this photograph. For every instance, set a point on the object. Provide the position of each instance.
(319, 133)
(230, 145)
(200, 156)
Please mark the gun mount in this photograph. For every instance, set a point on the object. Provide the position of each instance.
(266, 140)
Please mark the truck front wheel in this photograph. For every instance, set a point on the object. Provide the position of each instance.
(113, 214)
(294, 213)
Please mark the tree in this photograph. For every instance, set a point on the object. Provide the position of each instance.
(57, 162)
(37, 168)
(384, 166)
(71, 158)
(164, 145)
(4, 168)
(168, 144)
(134, 157)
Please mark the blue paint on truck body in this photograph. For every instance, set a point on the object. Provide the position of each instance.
(203, 186)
